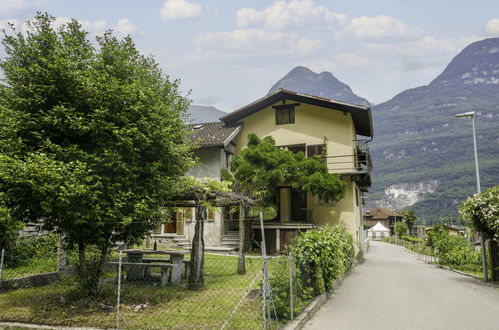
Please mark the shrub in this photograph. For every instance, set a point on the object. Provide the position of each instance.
(279, 282)
(411, 239)
(326, 253)
(453, 250)
(27, 248)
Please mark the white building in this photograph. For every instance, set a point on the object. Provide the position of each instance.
(378, 231)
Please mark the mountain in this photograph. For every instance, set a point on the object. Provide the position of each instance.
(204, 114)
(423, 154)
(324, 84)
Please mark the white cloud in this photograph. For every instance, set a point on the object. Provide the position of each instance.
(492, 26)
(258, 40)
(126, 27)
(92, 27)
(8, 7)
(281, 15)
(122, 28)
(180, 9)
(428, 45)
(378, 27)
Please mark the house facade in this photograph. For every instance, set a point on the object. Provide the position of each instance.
(306, 123)
(214, 152)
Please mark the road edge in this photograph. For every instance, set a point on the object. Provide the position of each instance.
(316, 303)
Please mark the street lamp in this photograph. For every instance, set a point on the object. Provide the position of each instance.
(471, 115)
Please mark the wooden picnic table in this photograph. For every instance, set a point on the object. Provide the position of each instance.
(142, 271)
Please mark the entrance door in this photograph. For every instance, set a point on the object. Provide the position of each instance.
(298, 206)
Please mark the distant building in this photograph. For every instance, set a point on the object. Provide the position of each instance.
(378, 231)
(386, 217)
(418, 231)
(453, 230)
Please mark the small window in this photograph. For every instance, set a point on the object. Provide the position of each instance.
(184, 214)
(211, 215)
(294, 148)
(158, 229)
(314, 150)
(285, 115)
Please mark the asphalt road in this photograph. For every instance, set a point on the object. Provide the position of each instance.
(395, 290)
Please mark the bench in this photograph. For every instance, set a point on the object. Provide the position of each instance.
(187, 264)
(142, 270)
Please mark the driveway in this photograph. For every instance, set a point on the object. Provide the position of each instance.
(395, 290)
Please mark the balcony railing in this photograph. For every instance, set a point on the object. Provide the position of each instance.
(354, 164)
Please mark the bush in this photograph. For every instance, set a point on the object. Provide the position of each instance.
(27, 248)
(411, 239)
(326, 253)
(279, 282)
(453, 250)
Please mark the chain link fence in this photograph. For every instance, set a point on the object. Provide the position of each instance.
(147, 289)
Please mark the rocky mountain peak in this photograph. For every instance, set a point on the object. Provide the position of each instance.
(477, 64)
(324, 84)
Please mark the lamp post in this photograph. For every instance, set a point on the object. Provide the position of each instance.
(471, 115)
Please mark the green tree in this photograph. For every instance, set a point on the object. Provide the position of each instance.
(261, 168)
(401, 229)
(410, 218)
(9, 227)
(481, 212)
(96, 142)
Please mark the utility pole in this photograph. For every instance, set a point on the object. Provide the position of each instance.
(478, 189)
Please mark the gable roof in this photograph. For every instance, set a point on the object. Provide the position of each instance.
(361, 115)
(382, 213)
(214, 134)
(378, 227)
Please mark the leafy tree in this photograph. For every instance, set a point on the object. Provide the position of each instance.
(95, 142)
(481, 212)
(401, 229)
(9, 227)
(262, 167)
(410, 218)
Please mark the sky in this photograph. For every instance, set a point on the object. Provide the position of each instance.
(228, 53)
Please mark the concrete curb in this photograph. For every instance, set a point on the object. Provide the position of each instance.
(316, 303)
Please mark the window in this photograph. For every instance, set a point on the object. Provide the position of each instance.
(157, 229)
(285, 113)
(314, 150)
(294, 148)
(210, 216)
(184, 214)
(285, 116)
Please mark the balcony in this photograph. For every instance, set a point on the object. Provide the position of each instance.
(357, 165)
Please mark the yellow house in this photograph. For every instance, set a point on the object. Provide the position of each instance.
(303, 122)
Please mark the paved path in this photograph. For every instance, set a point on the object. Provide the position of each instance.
(395, 290)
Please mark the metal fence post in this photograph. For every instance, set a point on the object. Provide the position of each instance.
(291, 307)
(119, 294)
(1, 266)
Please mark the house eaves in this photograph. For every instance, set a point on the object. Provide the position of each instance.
(361, 115)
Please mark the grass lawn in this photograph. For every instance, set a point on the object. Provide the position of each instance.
(35, 266)
(145, 306)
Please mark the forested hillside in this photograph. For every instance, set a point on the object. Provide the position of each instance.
(420, 143)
